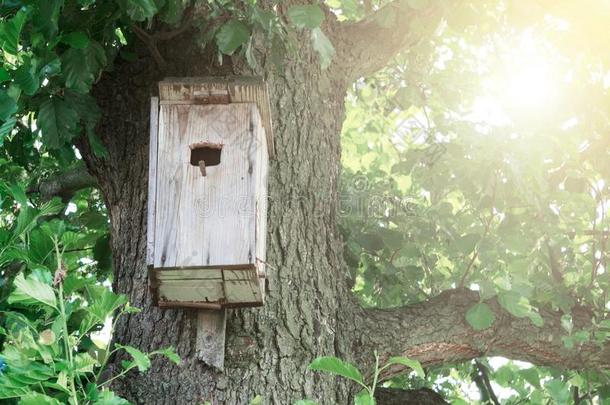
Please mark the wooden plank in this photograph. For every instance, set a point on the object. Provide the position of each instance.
(191, 290)
(206, 221)
(239, 275)
(184, 304)
(261, 215)
(152, 181)
(189, 274)
(241, 89)
(210, 341)
(242, 291)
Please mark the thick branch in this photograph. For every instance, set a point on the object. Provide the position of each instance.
(436, 332)
(368, 45)
(64, 184)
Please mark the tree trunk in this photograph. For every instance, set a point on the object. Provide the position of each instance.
(269, 348)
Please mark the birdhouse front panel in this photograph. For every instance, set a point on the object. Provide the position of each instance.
(207, 234)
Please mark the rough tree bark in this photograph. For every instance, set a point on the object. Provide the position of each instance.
(309, 310)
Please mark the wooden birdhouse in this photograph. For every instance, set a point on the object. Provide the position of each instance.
(210, 144)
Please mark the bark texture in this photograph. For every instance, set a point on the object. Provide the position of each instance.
(309, 310)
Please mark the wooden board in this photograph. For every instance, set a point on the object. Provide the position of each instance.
(210, 90)
(152, 183)
(261, 214)
(203, 221)
(207, 287)
(210, 342)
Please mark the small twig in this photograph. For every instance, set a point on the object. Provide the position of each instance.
(463, 280)
(485, 377)
(150, 40)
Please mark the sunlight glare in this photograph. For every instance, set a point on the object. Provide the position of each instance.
(525, 83)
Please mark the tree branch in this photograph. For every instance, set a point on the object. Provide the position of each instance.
(483, 373)
(368, 45)
(64, 184)
(436, 332)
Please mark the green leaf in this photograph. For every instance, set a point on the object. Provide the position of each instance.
(6, 128)
(84, 363)
(323, 46)
(58, 121)
(46, 16)
(27, 79)
(337, 366)
(514, 303)
(10, 31)
(81, 67)
(4, 76)
(257, 400)
(8, 106)
(77, 39)
(140, 359)
(52, 68)
(531, 376)
(35, 398)
(535, 318)
(465, 244)
(558, 390)
(231, 36)
(170, 353)
(364, 397)
(305, 402)
(412, 364)
(306, 16)
(103, 302)
(108, 397)
(29, 291)
(480, 316)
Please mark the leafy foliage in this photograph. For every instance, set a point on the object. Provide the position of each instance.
(52, 313)
(466, 167)
(366, 396)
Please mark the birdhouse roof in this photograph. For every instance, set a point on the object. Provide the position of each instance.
(220, 90)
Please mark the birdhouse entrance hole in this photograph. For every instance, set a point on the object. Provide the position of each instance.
(205, 154)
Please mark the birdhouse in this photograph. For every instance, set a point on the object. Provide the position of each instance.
(210, 144)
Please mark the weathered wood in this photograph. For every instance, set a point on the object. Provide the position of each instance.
(206, 220)
(152, 179)
(261, 214)
(210, 343)
(219, 90)
(228, 287)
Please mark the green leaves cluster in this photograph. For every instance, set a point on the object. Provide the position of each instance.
(51, 313)
(250, 29)
(366, 396)
(437, 194)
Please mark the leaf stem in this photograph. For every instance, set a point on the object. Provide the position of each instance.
(64, 321)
